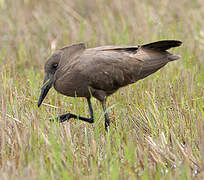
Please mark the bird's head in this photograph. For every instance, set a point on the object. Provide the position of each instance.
(58, 59)
(50, 68)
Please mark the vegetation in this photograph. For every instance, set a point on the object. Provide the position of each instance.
(156, 124)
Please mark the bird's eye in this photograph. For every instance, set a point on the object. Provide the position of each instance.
(55, 65)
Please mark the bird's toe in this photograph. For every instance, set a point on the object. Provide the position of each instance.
(60, 119)
(64, 117)
(54, 119)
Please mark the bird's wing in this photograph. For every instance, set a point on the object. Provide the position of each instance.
(109, 68)
(108, 71)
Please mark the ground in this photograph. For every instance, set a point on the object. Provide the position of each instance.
(156, 127)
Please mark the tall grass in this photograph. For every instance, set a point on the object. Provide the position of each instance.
(156, 124)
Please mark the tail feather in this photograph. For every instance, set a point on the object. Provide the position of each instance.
(162, 45)
(173, 57)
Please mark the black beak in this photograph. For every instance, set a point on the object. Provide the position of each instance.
(44, 90)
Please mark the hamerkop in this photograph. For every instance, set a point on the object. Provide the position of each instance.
(78, 71)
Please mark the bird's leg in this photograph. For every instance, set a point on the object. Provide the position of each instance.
(66, 117)
(107, 120)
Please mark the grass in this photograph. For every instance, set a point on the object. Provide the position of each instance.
(156, 124)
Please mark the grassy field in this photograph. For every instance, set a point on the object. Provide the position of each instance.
(156, 124)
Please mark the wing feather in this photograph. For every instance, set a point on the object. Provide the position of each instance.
(111, 69)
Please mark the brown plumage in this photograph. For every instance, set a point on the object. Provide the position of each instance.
(80, 72)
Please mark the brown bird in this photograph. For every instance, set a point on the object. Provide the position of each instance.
(78, 71)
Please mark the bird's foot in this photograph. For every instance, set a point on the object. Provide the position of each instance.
(66, 117)
(62, 118)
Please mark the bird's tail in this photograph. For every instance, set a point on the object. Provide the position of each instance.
(173, 57)
(163, 46)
